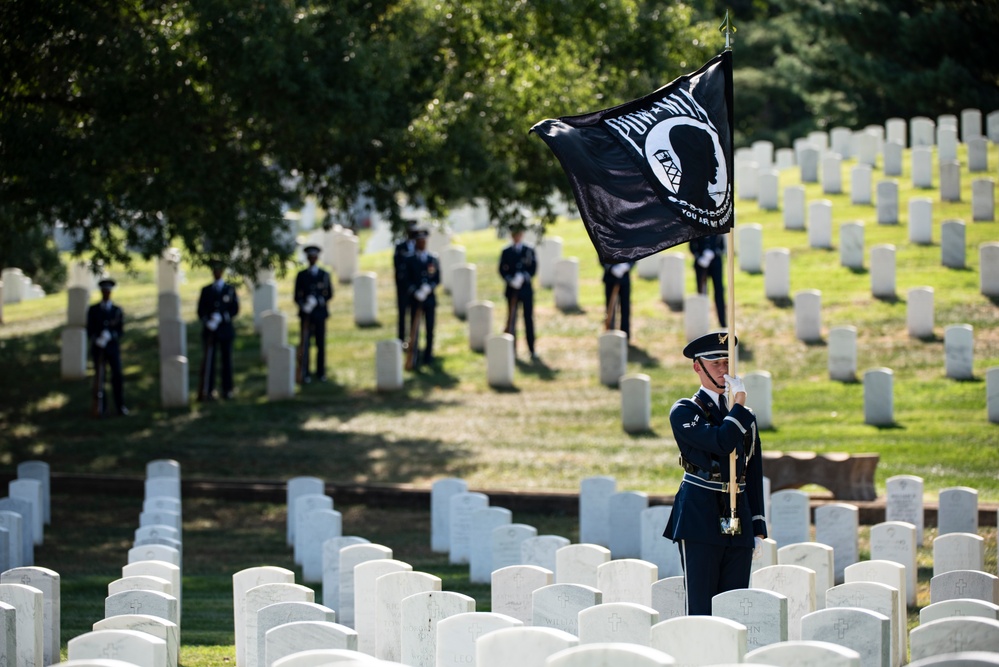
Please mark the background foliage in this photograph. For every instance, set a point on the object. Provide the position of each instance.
(139, 123)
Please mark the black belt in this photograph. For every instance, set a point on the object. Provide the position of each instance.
(722, 487)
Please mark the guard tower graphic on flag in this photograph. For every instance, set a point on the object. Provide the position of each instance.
(665, 158)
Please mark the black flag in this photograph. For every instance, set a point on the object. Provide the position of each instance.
(654, 172)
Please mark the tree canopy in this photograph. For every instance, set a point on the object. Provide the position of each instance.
(135, 124)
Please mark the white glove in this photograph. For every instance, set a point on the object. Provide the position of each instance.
(517, 280)
(422, 292)
(214, 321)
(757, 547)
(620, 269)
(735, 385)
(309, 304)
(704, 261)
(102, 340)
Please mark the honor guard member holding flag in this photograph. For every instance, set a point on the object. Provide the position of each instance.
(517, 266)
(423, 273)
(313, 292)
(617, 296)
(403, 250)
(715, 558)
(217, 306)
(104, 329)
(708, 251)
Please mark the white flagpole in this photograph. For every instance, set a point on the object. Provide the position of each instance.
(732, 525)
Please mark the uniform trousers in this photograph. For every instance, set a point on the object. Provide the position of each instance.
(317, 332)
(710, 569)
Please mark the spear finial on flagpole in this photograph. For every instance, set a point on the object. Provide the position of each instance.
(728, 30)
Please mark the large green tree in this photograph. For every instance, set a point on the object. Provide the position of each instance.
(140, 123)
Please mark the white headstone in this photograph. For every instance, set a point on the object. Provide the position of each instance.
(636, 402)
(950, 181)
(506, 544)
(331, 568)
(617, 622)
(625, 523)
(669, 597)
(457, 634)
(420, 616)
(320, 525)
(366, 603)
(578, 563)
(777, 274)
(557, 606)
(958, 510)
(887, 202)
(764, 613)
(299, 510)
(816, 557)
(866, 632)
(922, 167)
(483, 522)
(843, 353)
(389, 365)
(879, 399)
(808, 163)
(297, 637)
(463, 289)
(794, 207)
(874, 597)
(860, 184)
(971, 124)
(983, 200)
(797, 584)
(566, 286)
(613, 357)
(958, 551)
(440, 511)
(541, 549)
(960, 584)
(390, 590)
(959, 351)
(832, 174)
(992, 394)
(594, 504)
(895, 541)
(794, 653)
(672, 278)
(129, 646)
(958, 607)
(946, 143)
(890, 574)
(278, 614)
(365, 299)
(919, 312)
(893, 152)
(978, 155)
(265, 297)
(808, 316)
(524, 647)
(657, 549)
(952, 244)
(500, 360)
(700, 640)
(350, 557)
(480, 324)
(789, 522)
(883, 271)
(462, 506)
(151, 625)
(627, 580)
(242, 582)
(759, 391)
(280, 372)
(955, 635)
(750, 247)
(549, 253)
(820, 224)
(513, 587)
(769, 185)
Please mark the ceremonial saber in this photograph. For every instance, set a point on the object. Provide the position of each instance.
(414, 338)
(612, 307)
(511, 321)
(303, 351)
(207, 361)
(97, 401)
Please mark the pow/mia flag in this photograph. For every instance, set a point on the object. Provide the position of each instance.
(654, 172)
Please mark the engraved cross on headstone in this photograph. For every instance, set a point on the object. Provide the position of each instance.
(135, 606)
(961, 586)
(475, 630)
(564, 599)
(841, 627)
(746, 605)
(614, 620)
(26, 579)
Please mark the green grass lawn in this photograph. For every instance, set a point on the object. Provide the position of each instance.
(556, 427)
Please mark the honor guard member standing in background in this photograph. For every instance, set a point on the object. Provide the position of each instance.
(403, 250)
(706, 430)
(104, 329)
(708, 251)
(423, 273)
(217, 306)
(313, 292)
(517, 266)
(617, 296)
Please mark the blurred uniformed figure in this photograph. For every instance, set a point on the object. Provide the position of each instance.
(423, 274)
(217, 306)
(105, 327)
(313, 292)
(517, 266)
(403, 250)
(617, 296)
(706, 430)
(708, 252)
